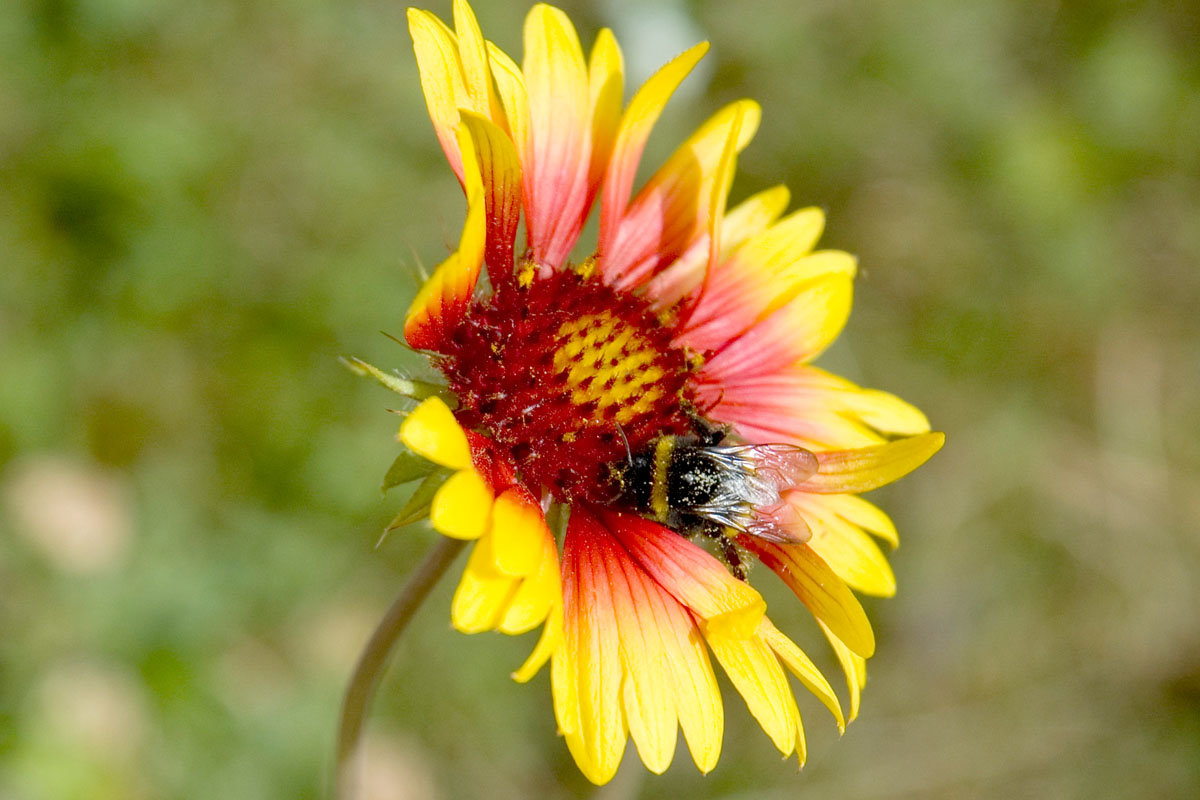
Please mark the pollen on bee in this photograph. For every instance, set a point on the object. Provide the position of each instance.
(566, 374)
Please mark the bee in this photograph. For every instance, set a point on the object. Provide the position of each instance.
(709, 485)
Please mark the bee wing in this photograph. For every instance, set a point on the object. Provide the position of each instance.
(780, 523)
(785, 466)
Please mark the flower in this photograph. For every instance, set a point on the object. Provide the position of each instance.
(576, 389)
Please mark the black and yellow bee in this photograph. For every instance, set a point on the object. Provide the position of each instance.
(711, 486)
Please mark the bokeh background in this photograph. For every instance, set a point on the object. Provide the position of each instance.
(203, 204)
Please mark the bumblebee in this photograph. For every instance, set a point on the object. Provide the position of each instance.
(712, 486)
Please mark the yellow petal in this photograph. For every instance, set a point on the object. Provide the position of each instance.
(855, 668)
(755, 673)
(510, 84)
(431, 430)
(462, 506)
(786, 241)
(538, 596)
(606, 86)
(853, 471)
(564, 691)
(800, 665)
(820, 589)
(546, 647)
(482, 593)
(845, 547)
(518, 533)
(801, 743)
(886, 413)
(857, 511)
(750, 217)
(745, 121)
(818, 312)
(441, 78)
(476, 72)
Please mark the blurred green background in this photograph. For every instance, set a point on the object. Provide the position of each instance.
(203, 204)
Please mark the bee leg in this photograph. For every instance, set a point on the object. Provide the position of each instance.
(709, 432)
(729, 552)
(733, 558)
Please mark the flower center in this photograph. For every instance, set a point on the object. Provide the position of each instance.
(608, 365)
(569, 376)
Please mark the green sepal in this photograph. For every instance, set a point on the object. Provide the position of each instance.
(407, 467)
(418, 505)
(408, 387)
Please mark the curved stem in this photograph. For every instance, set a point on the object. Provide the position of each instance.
(373, 661)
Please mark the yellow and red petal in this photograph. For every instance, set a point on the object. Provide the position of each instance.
(500, 176)
(662, 673)
(441, 303)
(691, 574)
(647, 687)
(636, 123)
(798, 331)
(557, 154)
(697, 696)
(674, 208)
(763, 274)
(438, 63)
(749, 218)
(807, 406)
(586, 673)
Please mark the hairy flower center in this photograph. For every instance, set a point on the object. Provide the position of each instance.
(570, 377)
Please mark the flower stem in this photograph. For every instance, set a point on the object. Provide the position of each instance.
(373, 661)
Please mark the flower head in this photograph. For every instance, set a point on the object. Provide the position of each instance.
(658, 395)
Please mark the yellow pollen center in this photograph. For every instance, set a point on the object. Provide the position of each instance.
(605, 361)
